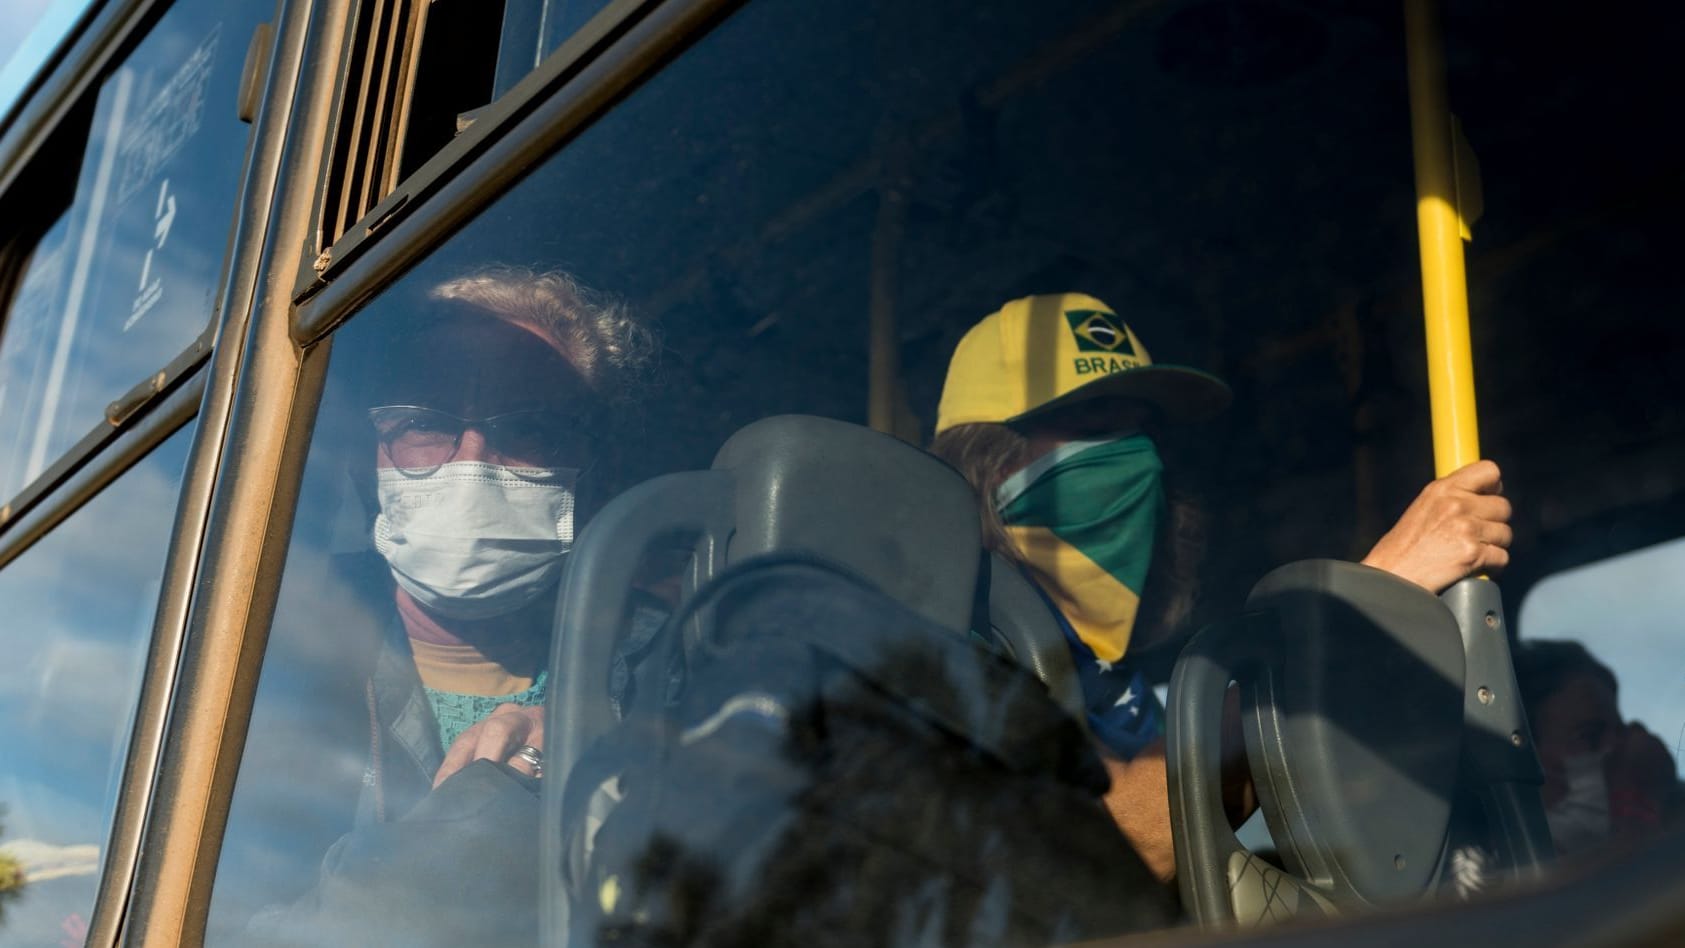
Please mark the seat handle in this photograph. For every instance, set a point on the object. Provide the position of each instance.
(1499, 753)
(1194, 761)
(594, 604)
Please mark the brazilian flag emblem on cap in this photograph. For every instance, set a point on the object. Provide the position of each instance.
(1098, 331)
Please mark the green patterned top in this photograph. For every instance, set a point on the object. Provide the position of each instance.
(457, 713)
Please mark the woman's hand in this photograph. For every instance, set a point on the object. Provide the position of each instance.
(1457, 526)
(1640, 775)
(497, 737)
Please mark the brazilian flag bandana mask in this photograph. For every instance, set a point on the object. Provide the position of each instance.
(1084, 517)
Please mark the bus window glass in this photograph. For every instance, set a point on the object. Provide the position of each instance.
(79, 608)
(1628, 722)
(470, 55)
(948, 220)
(129, 278)
(532, 29)
(26, 349)
(29, 33)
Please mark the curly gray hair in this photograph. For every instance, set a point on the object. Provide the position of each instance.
(597, 334)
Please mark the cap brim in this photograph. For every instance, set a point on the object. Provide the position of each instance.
(1181, 394)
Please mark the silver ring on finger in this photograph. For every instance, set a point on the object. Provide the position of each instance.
(533, 756)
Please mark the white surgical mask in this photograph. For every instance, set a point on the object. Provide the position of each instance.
(1580, 821)
(474, 540)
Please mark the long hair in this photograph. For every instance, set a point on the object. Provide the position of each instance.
(987, 453)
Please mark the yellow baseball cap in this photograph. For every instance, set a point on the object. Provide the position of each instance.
(1041, 353)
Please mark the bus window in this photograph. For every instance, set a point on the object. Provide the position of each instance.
(750, 205)
(32, 32)
(127, 279)
(807, 212)
(420, 74)
(79, 610)
(433, 386)
(1613, 735)
(532, 29)
(26, 350)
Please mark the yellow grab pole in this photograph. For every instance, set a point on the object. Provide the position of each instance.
(1505, 774)
(1445, 302)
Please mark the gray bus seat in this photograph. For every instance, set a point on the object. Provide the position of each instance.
(894, 515)
(1502, 777)
(1024, 624)
(1351, 687)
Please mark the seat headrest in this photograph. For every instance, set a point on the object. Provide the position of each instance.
(1358, 720)
(884, 509)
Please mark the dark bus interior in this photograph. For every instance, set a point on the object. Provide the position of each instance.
(1233, 177)
(1235, 180)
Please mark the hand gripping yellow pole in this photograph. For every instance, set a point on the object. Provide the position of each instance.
(1440, 228)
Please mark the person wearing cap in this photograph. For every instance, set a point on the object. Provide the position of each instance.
(483, 414)
(484, 411)
(1049, 409)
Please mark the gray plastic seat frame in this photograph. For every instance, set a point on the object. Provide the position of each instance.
(1374, 713)
(1351, 687)
(897, 516)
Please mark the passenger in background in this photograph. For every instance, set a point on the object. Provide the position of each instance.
(1051, 410)
(1607, 781)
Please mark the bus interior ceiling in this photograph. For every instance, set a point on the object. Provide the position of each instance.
(1234, 176)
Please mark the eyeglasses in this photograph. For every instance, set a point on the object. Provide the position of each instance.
(419, 441)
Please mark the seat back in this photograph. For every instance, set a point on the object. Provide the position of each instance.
(1351, 688)
(881, 508)
(878, 507)
(1024, 625)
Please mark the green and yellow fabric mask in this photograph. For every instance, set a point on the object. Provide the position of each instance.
(1084, 517)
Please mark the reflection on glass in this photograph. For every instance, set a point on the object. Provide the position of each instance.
(78, 618)
(1604, 683)
(406, 679)
(805, 173)
(414, 528)
(532, 29)
(751, 203)
(1626, 611)
(26, 350)
(29, 32)
(840, 771)
(1608, 782)
(129, 277)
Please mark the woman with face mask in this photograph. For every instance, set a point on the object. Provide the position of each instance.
(1049, 410)
(484, 421)
(1607, 781)
(482, 416)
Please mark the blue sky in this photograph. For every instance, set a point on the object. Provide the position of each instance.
(29, 32)
(1630, 612)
